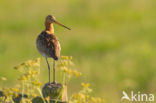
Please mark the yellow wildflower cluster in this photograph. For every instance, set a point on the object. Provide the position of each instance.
(29, 64)
(85, 85)
(10, 92)
(14, 89)
(29, 78)
(36, 83)
(7, 92)
(66, 57)
(71, 72)
(30, 85)
(32, 63)
(30, 69)
(97, 100)
(28, 75)
(76, 73)
(84, 97)
(65, 64)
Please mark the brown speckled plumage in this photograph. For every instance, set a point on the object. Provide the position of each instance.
(48, 45)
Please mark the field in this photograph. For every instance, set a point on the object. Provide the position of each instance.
(112, 42)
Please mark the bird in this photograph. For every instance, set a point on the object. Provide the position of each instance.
(47, 43)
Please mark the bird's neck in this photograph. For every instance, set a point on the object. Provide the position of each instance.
(49, 28)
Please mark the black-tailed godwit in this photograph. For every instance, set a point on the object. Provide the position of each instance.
(47, 43)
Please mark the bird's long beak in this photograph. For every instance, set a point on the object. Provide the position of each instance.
(62, 25)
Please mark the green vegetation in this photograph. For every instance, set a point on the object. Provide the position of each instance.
(112, 42)
(28, 88)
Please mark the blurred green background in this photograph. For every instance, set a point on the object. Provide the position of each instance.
(113, 42)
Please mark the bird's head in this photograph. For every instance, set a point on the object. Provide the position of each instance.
(51, 19)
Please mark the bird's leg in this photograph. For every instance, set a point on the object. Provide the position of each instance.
(48, 69)
(54, 71)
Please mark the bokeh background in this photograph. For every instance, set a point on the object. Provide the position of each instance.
(113, 42)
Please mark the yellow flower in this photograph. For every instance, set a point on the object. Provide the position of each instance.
(76, 73)
(94, 99)
(69, 72)
(78, 96)
(35, 72)
(71, 63)
(64, 57)
(85, 85)
(3, 78)
(16, 95)
(47, 99)
(37, 60)
(14, 89)
(87, 96)
(28, 63)
(35, 64)
(64, 69)
(28, 76)
(70, 57)
(81, 96)
(64, 63)
(10, 93)
(22, 78)
(30, 72)
(7, 92)
(33, 95)
(97, 100)
(36, 83)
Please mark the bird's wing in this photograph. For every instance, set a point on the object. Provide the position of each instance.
(57, 48)
(54, 46)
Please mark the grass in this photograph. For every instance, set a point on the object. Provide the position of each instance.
(112, 42)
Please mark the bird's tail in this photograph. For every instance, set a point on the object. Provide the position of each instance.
(56, 58)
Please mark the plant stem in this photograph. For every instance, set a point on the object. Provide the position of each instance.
(22, 91)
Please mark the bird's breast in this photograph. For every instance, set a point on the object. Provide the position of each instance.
(48, 45)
